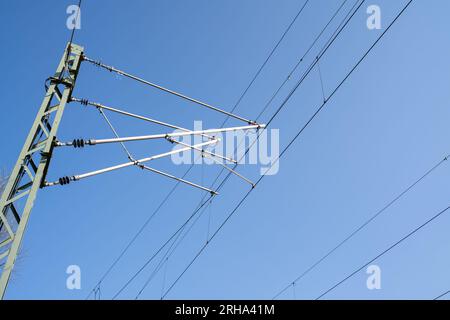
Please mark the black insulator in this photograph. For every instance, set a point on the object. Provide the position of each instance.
(78, 143)
(64, 180)
(84, 102)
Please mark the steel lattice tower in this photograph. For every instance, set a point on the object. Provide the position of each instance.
(30, 171)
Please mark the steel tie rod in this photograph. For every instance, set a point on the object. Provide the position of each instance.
(67, 180)
(177, 179)
(213, 157)
(97, 105)
(131, 158)
(112, 69)
(93, 142)
(212, 154)
(232, 171)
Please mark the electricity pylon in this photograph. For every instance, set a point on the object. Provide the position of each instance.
(30, 171)
(31, 168)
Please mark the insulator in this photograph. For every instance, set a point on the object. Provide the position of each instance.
(64, 180)
(78, 143)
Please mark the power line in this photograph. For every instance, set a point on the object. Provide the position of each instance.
(162, 247)
(171, 192)
(171, 250)
(287, 148)
(76, 19)
(305, 54)
(313, 64)
(172, 92)
(442, 295)
(267, 59)
(385, 251)
(335, 35)
(72, 35)
(362, 226)
(141, 229)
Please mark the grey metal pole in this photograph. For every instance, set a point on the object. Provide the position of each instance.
(28, 176)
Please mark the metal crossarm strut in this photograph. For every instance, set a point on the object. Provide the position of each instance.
(213, 157)
(123, 73)
(178, 179)
(67, 180)
(144, 167)
(31, 167)
(99, 106)
(203, 151)
(92, 142)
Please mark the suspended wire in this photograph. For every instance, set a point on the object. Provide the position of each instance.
(324, 49)
(318, 57)
(362, 226)
(158, 266)
(293, 291)
(125, 149)
(139, 232)
(334, 36)
(171, 192)
(286, 148)
(341, 27)
(442, 295)
(203, 202)
(72, 36)
(131, 158)
(164, 258)
(321, 81)
(173, 248)
(164, 278)
(385, 251)
(162, 247)
(299, 62)
(209, 220)
(267, 59)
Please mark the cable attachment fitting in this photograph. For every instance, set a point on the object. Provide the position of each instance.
(64, 180)
(138, 164)
(99, 63)
(168, 138)
(78, 143)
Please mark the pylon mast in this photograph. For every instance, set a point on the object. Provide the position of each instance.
(30, 170)
(29, 173)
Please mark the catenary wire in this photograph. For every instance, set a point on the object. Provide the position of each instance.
(287, 147)
(172, 191)
(385, 251)
(362, 226)
(442, 295)
(267, 60)
(335, 35)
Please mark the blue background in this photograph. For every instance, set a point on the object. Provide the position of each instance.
(386, 126)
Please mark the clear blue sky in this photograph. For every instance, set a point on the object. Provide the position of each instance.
(387, 125)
